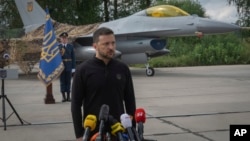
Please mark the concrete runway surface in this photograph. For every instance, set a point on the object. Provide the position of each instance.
(182, 104)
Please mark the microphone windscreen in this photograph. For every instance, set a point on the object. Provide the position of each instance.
(117, 127)
(104, 112)
(90, 121)
(140, 115)
(126, 120)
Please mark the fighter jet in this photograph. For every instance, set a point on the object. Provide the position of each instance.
(143, 35)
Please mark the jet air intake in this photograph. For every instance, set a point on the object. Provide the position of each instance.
(141, 45)
(158, 44)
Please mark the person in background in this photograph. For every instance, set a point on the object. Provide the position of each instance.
(68, 58)
(101, 80)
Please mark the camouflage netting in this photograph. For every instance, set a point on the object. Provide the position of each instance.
(26, 51)
(73, 31)
(27, 54)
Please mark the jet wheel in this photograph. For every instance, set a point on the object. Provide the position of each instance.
(150, 71)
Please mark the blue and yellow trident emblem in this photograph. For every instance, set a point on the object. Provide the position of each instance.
(51, 64)
(30, 6)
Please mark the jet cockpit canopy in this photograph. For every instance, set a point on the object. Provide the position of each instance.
(163, 11)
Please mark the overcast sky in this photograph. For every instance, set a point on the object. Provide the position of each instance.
(220, 10)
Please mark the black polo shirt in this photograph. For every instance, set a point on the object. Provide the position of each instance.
(95, 84)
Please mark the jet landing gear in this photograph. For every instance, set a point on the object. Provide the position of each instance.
(149, 70)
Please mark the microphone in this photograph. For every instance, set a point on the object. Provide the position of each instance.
(6, 56)
(140, 118)
(89, 125)
(136, 135)
(116, 128)
(127, 123)
(103, 117)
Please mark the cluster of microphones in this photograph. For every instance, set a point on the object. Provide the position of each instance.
(124, 131)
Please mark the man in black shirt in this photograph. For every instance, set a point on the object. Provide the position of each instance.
(101, 80)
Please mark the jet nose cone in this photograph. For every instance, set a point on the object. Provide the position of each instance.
(208, 26)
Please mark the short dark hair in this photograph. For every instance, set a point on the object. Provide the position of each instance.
(101, 31)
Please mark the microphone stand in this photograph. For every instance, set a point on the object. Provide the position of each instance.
(140, 128)
(3, 96)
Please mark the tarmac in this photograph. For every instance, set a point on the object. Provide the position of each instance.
(182, 104)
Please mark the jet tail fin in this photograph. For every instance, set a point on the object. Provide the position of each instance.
(33, 16)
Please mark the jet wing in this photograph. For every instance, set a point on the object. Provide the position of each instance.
(150, 33)
(153, 33)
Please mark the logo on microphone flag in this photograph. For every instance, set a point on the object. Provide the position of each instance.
(51, 65)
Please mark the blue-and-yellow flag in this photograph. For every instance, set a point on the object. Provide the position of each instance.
(51, 64)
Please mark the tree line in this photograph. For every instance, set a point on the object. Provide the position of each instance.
(231, 48)
(79, 12)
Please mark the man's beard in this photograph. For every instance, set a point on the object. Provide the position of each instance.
(106, 56)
